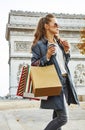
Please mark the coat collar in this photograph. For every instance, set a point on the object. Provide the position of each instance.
(44, 40)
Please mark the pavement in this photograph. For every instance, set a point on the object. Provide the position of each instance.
(26, 115)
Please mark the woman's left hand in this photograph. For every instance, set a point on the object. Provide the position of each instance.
(65, 44)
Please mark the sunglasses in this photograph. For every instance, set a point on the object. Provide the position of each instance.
(56, 25)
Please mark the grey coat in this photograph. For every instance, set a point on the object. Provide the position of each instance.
(39, 58)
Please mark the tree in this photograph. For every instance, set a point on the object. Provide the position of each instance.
(81, 45)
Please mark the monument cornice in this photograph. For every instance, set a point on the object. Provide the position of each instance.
(39, 14)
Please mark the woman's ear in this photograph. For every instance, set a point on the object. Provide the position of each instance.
(46, 26)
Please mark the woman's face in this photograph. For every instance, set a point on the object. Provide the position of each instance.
(53, 27)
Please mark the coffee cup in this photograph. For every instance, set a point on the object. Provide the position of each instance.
(52, 45)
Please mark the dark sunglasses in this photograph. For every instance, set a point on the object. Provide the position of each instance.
(56, 25)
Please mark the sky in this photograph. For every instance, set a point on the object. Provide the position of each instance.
(50, 6)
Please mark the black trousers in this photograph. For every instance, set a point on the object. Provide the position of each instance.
(60, 117)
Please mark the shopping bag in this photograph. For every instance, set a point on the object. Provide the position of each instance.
(45, 81)
(22, 81)
(25, 87)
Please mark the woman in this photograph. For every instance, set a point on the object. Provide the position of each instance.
(48, 49)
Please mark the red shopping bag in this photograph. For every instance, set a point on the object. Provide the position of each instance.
(22, 81)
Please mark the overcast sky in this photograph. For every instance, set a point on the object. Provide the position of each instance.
(52, 6)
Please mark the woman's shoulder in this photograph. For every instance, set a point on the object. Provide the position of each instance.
(41, 42)
(37, 46)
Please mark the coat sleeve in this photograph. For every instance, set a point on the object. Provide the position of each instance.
(37, 58)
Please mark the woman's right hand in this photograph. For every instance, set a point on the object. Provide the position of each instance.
(50, 51)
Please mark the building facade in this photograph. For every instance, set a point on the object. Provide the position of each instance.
(19, 33)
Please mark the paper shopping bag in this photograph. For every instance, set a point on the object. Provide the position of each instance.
(45, 81)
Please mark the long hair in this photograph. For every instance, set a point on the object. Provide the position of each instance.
(40, 30)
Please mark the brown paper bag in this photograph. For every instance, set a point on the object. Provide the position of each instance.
(45, 81)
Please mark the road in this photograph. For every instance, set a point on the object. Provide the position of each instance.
(26, 115)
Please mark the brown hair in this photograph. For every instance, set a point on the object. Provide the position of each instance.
(40, 30)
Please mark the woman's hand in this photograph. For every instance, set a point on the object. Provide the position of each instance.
(50, 51)
(66, 45)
